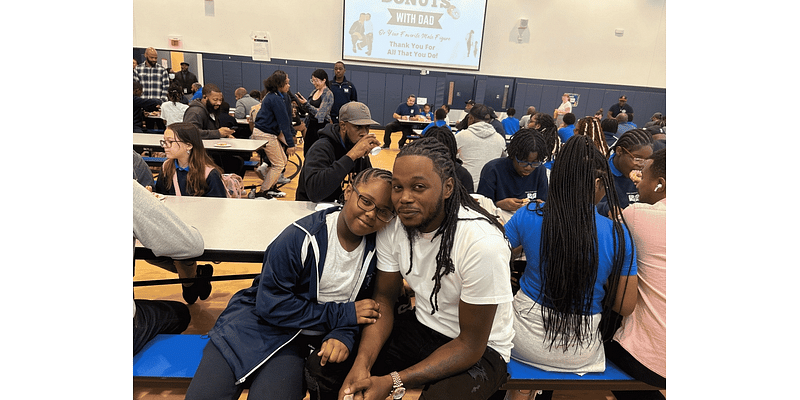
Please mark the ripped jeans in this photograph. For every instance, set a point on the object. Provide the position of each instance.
(410, 343)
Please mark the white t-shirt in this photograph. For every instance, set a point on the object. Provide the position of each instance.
(343, 271)
(173, 112)
(481, 257)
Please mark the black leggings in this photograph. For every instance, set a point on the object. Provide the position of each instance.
(410, 343)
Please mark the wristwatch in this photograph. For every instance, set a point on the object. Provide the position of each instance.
(398, 391)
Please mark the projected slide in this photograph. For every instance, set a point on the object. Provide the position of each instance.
(419, 33)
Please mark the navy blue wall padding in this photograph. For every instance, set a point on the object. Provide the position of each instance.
(375, 98)
(383, 88)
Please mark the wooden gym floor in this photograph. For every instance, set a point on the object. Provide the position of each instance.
(205, 313)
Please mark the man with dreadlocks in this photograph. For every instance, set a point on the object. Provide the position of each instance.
(512, 182)
(455, 257)
(575, 257)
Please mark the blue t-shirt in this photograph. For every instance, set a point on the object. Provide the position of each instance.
(499, 180)
(525, 229)
(432, 124)
(566, 132)
(627, 193)
(405, 109)
(511, 125)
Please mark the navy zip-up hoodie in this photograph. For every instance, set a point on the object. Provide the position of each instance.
(282, 301)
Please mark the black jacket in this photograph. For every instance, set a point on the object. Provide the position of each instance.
(198, 115)
(326, 167)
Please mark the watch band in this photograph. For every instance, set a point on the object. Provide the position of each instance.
(398, 391)
(396, 379)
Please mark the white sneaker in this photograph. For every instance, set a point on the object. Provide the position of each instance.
(276, 193)
(261, 171)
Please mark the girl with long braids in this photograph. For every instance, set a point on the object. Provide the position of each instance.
(626, 162)
(545, 124)
(455, 258)
(590, 126)
(313, 292)
(579, 263)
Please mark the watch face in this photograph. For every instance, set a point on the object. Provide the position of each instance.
(398, 393)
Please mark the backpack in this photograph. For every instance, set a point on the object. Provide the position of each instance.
(233, 184)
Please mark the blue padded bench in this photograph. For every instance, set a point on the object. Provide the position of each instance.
(523, 376)
(175, 358)
(169, 357)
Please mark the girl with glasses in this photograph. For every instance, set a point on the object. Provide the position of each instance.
(188, 171)
(313, 293)
(514, 181)
(626, 163)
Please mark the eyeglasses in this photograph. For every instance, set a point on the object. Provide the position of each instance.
(635, 159)
(531, 164)
(383, 214)
(314, 81)
(168, 143)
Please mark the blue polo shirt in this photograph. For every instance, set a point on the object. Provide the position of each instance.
(566, 132)
(627, 192)
(432, 124)
(525, 229)
(511, 125)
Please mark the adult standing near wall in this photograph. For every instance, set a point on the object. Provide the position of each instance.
(319, 105)
(343, 90)
(153, 77)
(185, 78)
(621, 107)
(564, 108)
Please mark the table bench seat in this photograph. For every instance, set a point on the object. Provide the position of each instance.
(523, 376)
(176, 358)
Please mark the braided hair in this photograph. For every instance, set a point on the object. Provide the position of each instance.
(443, 165)
(549, 130)
(525, 142)
(633, 140)
(590, 126)
(366, 175)
(568, 260)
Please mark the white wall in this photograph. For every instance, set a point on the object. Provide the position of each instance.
(570, 40)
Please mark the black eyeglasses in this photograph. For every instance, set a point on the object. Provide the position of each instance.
(532, 164)
(383, 214)
(167, 143)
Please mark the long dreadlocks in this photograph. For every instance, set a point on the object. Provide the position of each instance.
(569, 248)
(444, 167)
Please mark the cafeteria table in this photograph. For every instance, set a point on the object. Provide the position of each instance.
(230, 154)
(149, 140)
(233, 230)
